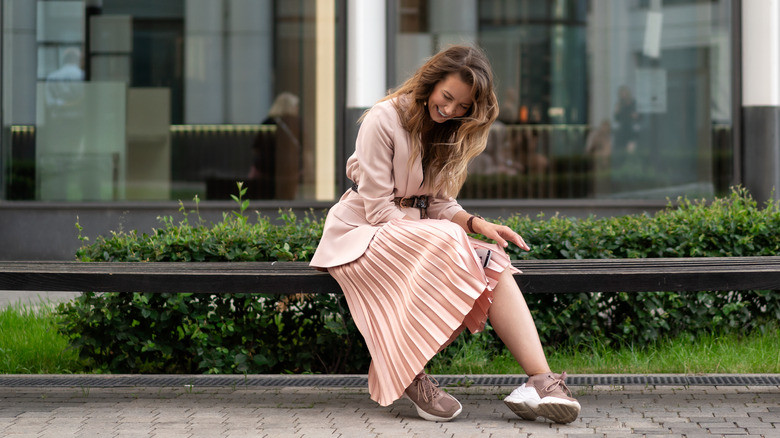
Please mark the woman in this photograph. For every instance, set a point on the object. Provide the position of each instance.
(396, 242)
(276, 160)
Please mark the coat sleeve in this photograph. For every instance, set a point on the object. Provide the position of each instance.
(374, 149)
(443, 208)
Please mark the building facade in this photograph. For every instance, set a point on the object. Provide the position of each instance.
(113, 111)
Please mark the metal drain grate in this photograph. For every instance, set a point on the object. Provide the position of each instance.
(617, 380)
(350, 381)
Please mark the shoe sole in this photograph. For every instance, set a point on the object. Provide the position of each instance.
(522, 410)
(430, 417)
(562, 413)
(526, 404)
(555, 411)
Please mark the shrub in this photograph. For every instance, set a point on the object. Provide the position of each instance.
(728, 226)
(255, 333)
(225, 333)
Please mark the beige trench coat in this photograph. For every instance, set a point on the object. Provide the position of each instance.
(380, 168)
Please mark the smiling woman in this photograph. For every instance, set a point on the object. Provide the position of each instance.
(398, 246)
(450, 98)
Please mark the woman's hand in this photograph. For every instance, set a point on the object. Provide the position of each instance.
(500, 233)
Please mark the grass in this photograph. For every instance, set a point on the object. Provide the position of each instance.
(712, 353)
(756, 353)
(31, 344)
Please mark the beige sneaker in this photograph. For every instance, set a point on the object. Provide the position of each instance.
(544, 395)
(432, 403)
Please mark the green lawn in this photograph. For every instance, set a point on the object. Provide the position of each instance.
(30, 343)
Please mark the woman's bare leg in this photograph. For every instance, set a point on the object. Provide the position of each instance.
(510, 317)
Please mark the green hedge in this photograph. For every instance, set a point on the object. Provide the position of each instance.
(731, 226)
(225, 333)
(240, 333)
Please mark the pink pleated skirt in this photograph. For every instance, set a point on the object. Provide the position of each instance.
(416, 285)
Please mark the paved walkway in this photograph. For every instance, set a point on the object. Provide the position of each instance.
(179, 412)
(26, 298)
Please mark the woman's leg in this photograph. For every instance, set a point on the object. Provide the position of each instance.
(544, 394)
(512, 321)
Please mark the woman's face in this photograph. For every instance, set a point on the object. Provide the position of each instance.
(451, 97)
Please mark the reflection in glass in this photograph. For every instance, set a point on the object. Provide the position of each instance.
(276, 158)
(80, 142)
(198, 79)
(601, 98)
(149, 100)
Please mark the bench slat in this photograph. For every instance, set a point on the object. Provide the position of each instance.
(539, 276)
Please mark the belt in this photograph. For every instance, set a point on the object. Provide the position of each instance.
(412, 201)
(420, 202)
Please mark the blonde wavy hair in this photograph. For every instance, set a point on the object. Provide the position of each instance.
(448, 148)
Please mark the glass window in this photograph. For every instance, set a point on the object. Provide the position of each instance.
(599, 98)
(150, 100)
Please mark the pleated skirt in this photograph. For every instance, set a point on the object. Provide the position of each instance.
(416, 285)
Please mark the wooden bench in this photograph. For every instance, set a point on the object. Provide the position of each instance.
(539, 276)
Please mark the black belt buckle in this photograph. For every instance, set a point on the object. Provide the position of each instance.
(414, 201)
(421, 201)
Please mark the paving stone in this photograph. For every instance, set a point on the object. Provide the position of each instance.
(707, 420)
(649, 431)
(313, 433)
(619, 434)
(58, 434)
(727, 431)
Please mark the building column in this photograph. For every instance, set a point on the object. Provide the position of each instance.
(249, 60)
(204, 100)
(366, 64)
(761, 98)
(325, 121)
(19, 81)
(17, 74)
(453, 22)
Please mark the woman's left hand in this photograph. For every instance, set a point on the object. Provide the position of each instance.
(500, 233)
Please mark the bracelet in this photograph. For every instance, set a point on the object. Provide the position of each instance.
(469, 222)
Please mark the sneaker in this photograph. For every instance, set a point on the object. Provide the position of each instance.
(432, 403)
(544, 395)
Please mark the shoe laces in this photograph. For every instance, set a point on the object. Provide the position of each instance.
(557, 383)
(428, 386)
